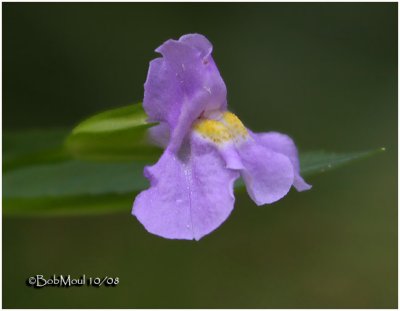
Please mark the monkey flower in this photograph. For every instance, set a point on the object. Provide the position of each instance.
(206, 147)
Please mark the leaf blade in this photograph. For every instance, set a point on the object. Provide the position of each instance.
(118, 134)
(33, 147)
(312, 163)
(66, 187)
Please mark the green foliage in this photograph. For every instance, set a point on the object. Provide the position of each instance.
(74, 178)
(115, 135)
(33, 147)
(98, 167)
(312, 163)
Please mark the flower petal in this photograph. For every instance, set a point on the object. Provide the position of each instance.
(268, 175)
(159, 134)
(231, 157)
(191, 194)
(199, 42)
(284, 144)
(182, 85)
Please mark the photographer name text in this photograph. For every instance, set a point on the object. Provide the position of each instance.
(40, 281)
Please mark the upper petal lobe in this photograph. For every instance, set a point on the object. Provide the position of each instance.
(182, 85)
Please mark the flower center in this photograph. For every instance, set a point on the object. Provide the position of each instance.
(226, 127)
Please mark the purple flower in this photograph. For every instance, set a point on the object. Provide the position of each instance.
(206, 147)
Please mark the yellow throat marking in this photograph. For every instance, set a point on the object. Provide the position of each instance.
(227, 128)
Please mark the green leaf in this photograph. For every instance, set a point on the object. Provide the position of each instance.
(312, 163)
(69, 205)
(74, 178)
(116, 135)
(24, 148)
(31, 141)
(76, 187)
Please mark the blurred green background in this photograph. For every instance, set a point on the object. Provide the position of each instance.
(325, 73)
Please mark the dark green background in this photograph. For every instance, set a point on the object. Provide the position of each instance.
(325, 73)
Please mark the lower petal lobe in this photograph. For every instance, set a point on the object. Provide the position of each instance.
(268, 175)
(283, 144)
(191, 193)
